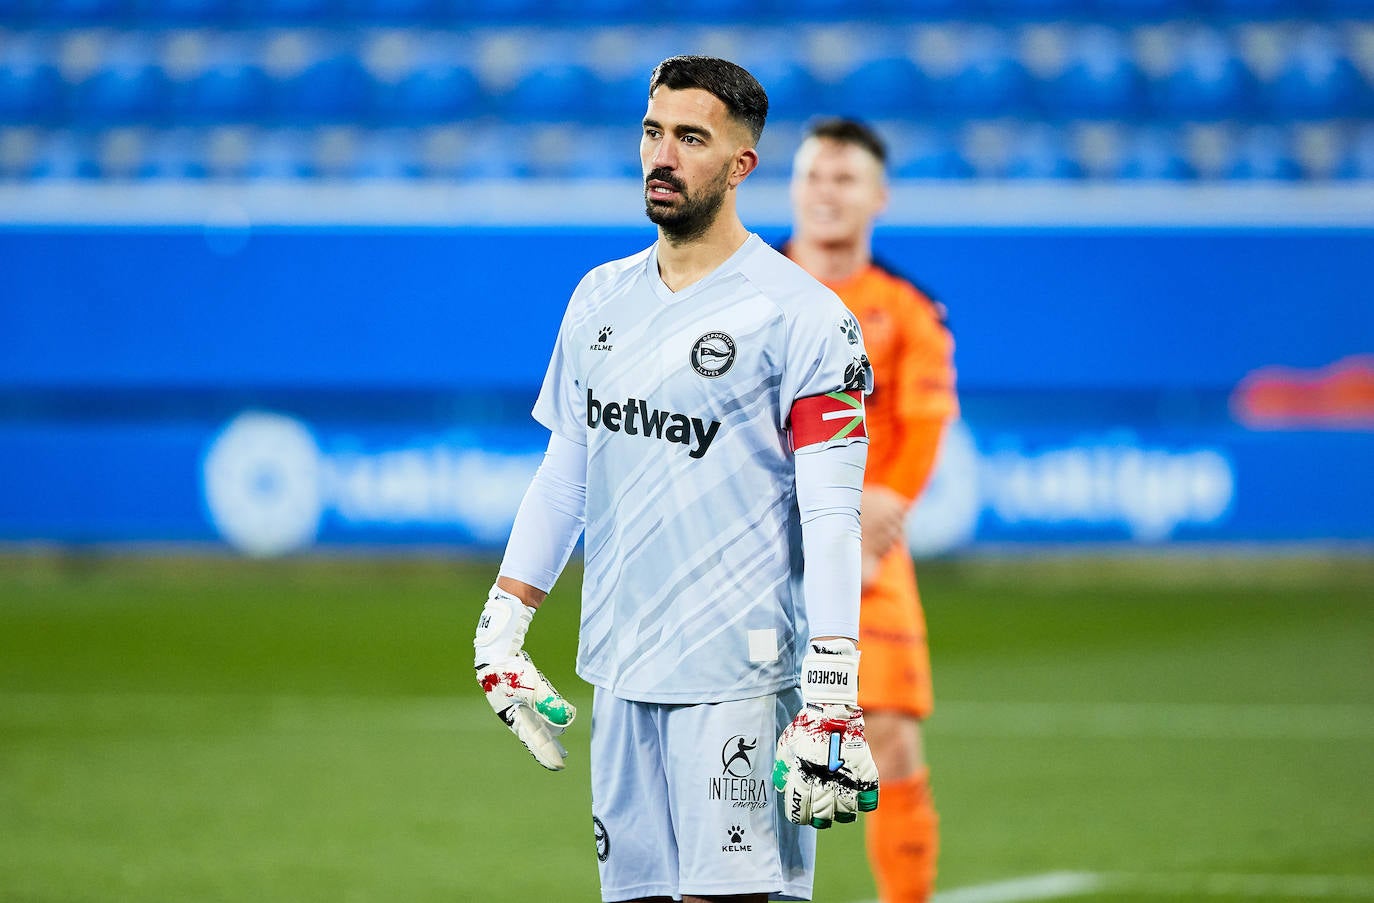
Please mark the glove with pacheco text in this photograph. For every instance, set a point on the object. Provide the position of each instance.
(824, 771)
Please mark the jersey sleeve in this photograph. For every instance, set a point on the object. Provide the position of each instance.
(826, 358)
(926, 362)
(561, 405)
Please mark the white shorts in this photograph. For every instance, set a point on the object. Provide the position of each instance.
(683, 802)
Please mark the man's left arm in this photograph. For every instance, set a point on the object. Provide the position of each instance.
(824, 772)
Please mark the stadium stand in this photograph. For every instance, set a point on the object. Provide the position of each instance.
(352, 89)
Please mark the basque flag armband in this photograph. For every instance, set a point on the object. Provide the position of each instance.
(832, 417)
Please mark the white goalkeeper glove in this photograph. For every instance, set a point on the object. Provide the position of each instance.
(824, 771)
(520, 695)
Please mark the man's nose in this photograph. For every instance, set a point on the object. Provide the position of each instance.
(665, 155)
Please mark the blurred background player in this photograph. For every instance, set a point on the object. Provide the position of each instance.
(839, 187)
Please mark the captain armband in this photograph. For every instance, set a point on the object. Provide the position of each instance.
(829, 419)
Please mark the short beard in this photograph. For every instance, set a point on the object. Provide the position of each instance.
(695, 215)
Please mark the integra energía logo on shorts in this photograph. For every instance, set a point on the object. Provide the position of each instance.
(634, 417)
(737, 784)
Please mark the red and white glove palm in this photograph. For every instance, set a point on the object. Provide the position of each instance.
(520, 695)
(824, 772)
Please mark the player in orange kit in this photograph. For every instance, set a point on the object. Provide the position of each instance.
(839, 187)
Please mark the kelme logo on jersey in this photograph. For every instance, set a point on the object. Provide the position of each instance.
(603, 338)
(736, 844)
(850, 327)
(713, 354)
(634, 417)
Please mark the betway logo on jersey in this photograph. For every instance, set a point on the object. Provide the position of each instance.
(634, 417)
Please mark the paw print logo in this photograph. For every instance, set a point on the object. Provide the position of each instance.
(604, 334)
(736, 834)
(850, 328)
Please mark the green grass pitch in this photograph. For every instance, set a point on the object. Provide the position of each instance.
(202, 729)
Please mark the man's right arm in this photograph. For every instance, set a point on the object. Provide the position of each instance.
(546, 528)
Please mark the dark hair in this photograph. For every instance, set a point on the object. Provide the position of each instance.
(741, 93)
(850, 131)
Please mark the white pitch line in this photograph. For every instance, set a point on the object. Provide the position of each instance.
(1113, 720)
(1252, 887)
(1050, 886)
(1060, 885)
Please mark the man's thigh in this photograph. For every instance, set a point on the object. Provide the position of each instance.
(684, 798)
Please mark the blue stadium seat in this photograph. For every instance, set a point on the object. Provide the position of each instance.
(989, 82)
(174, 155)
(1264, 152)
(623, 99)
(384, 154)
(817, 9)
(1347, 7)
(229, 152)
(1038, 9)
(420, 79)
(186, 12)
(225, 82)
(1318, 149)
(1318, 80)
(1209, 80)
(127, 86)
(792, 92)
(334, 153)
(888, 86)
(987, 148)
(439, 153)
(924, 153)
(291, 12)
(552, 91)
(592, 12)
(403, 12)
(575, 152)
(63, 155)
(918, 9)
(1040, 151)
(1253, 9)
(1154, 153)
(1145, 9)
(19, 147)
(84, 12)
(280, 154)
(1357, 162)
(14, 11)
(1100, 79)
(493, 153)
(119, 154)
(30, 87)
(502, 11)
(315, 81)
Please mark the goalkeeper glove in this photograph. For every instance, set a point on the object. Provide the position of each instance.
(520, 695)
(824, 771)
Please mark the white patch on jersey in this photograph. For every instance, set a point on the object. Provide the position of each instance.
(763, 645)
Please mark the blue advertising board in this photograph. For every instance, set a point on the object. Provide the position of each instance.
(365, 387)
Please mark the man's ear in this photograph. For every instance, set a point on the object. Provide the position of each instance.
(746, 161)
(884, 195)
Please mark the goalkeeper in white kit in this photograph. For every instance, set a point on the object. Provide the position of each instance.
(705, 407)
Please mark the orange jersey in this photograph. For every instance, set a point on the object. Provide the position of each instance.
(912, 352)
